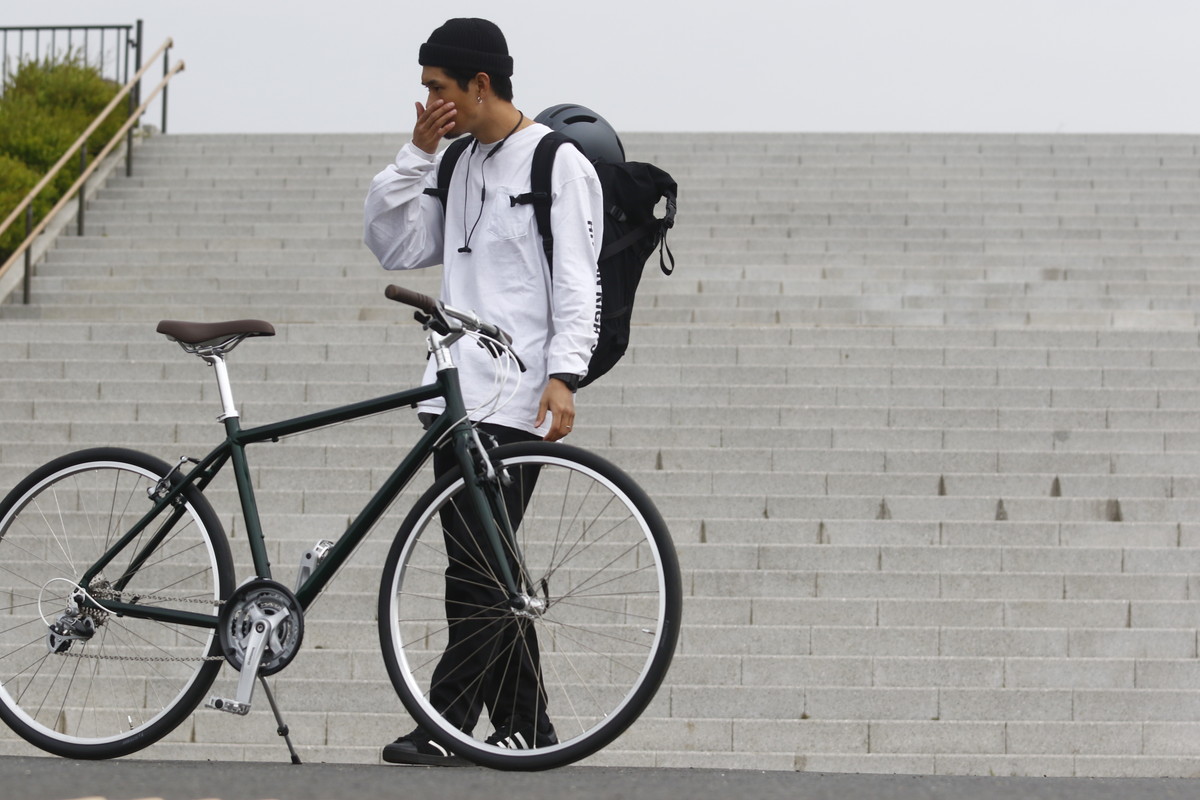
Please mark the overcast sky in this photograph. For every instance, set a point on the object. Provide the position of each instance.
(666, 65)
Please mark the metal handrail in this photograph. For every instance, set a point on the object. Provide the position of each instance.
(24, 247)
(54, 33)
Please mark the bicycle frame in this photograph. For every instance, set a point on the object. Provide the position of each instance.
(453, 422)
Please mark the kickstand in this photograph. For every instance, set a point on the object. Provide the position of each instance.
(283, 728)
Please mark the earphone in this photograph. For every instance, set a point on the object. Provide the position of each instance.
(468, 235)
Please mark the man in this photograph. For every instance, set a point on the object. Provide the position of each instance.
(494, 264)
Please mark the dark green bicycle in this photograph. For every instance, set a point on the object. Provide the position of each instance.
(118, 600)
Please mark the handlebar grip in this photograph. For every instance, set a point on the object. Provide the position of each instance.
(411, 298)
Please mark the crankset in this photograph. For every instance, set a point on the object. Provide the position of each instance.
(266, 610)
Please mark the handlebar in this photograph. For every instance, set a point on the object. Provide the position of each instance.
(410, 298)
(437, 315)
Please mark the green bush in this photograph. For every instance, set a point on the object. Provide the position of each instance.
(45, 107)
(34, 134)
(16, 180)
(74, 91)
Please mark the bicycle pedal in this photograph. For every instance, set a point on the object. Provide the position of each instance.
(228, 706)
(310, 560)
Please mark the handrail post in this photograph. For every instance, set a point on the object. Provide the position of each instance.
(135, 99)
(82, 188)
(28, 253)
(166, 69)
(138, 90)
(129, 142)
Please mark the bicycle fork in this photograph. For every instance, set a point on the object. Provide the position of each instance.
(486, 492)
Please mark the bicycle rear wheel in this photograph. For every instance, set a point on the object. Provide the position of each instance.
(585, 656)
(104, 685)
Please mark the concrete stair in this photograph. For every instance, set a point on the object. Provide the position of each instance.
(922, 412)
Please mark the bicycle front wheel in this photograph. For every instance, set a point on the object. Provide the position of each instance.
(76, 680)
(551, 682)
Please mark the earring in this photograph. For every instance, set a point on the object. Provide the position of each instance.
(479, 99)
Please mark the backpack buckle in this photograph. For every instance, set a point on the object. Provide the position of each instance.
(527, 198)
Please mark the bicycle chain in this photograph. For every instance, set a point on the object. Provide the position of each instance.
(156, 659)
(108, 594)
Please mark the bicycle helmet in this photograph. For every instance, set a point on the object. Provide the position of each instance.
(590, 130)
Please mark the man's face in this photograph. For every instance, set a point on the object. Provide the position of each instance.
(442, 87)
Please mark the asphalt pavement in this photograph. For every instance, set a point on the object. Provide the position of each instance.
(48, 778)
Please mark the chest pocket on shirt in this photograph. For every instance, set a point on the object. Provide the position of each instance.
(505, 220)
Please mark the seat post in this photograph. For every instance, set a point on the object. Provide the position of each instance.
(228, 410)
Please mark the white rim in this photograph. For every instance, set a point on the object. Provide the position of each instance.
(9, 701)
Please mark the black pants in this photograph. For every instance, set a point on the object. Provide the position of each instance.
(491, 658)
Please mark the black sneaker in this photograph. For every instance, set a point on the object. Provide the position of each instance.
(418, 748)
(521, 736)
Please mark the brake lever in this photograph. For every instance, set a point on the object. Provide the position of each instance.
(437, 324)
(498, 346)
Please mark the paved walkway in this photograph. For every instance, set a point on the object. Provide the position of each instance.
(59, 779)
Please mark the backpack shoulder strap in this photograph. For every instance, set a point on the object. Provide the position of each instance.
(539, 194)
(446, 169)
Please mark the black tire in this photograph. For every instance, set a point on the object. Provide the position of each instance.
(134, 680)
(600, 560)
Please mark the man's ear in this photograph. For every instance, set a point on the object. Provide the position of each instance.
(483, 84)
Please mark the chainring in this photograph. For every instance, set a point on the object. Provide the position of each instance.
(269, 599)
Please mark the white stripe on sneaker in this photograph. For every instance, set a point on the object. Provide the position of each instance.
(513, 742)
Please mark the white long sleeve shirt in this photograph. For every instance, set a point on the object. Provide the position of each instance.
(505, 278)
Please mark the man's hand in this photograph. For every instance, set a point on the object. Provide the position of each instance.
(559, 400)
(433, 124)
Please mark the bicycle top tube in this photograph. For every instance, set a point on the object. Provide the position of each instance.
(446, 325)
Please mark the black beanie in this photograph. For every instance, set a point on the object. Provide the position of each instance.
(470, 44)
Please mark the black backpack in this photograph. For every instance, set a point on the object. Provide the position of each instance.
(632, 190)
